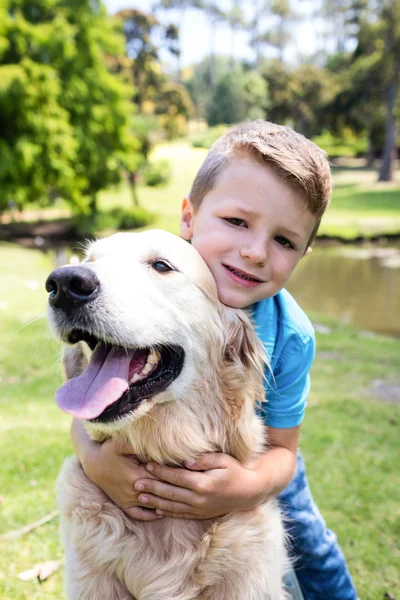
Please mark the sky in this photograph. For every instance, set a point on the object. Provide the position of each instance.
(195, 34)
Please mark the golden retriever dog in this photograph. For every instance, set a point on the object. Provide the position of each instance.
(155, 360)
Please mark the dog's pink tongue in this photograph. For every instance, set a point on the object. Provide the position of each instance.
(101, 384)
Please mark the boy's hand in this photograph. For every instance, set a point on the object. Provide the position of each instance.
(114, 471)
(212, 487)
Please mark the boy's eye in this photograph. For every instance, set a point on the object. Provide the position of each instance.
(282, 241)
(236, 222)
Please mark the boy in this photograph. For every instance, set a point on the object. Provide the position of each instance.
(253, 212)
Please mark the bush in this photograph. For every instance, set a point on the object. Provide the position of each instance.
(206, 139)
(157, 173)
(134, 218)
(346, 145)
(112, 220)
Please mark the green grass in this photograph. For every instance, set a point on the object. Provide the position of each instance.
(33, 432)
(350, 439)
(360, 205)
(165, 202)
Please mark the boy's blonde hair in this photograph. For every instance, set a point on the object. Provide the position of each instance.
(294, 158)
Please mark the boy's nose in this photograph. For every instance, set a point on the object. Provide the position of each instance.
(256, 253)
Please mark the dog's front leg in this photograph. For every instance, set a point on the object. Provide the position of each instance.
(244, 557)
(84, 582)
(91, 526)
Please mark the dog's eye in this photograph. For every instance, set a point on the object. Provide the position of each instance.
(161, 266)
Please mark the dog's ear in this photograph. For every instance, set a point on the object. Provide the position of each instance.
(242, 346)
(74, 360)
(242, 379)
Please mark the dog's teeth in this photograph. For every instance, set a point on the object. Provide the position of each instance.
(147, 368)
(136, 377)
(153, 357)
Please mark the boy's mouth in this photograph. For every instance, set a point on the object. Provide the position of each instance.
(245, 277)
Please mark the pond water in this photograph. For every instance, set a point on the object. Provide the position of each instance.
(360, 285)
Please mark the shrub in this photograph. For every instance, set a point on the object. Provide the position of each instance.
(206, 139)
(346, 145)
(111, 221)
(157, 173)
(134, 218)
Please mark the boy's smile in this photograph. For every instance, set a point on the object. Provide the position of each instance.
(251, 229)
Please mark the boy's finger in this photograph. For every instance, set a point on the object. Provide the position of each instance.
(206, 462)
(142, 514)
(178, 508)
(164, 490)
(165, 513)
(175, 475)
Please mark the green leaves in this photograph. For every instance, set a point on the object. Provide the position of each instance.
(65, 113)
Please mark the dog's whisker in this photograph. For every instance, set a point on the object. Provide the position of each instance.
(43, 316)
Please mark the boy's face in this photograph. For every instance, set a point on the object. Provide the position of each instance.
(251, 229)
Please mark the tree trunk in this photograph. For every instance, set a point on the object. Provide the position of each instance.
(233, 43)
(389, 148)
(213, 75)
(281, 42)
(133, 187)
(93, 204)
(370, 154)
(179, 52)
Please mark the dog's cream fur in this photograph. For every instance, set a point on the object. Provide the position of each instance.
(208, 408)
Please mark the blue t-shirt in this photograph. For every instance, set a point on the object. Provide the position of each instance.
(288, 337)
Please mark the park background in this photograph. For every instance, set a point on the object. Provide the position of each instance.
(106, 113)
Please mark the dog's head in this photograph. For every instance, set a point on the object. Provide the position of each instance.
(143, 318)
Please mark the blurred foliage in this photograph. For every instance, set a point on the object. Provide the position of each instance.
(156, 173)
(208, 137)
(80, 104)
(156, 95)
(65, 116)
(112, 220)
(350, 84)
(348, 144)
(238, 95)
(299, 95)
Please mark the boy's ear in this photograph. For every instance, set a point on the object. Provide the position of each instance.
(187, 219)
(308, 251)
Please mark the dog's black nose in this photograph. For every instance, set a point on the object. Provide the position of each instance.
(71, 286)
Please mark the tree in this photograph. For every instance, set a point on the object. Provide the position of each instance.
(236, 20)
(71, 44)
(277, 35)
(261, 9)
(238, 95)
(180, 6)
(299, 95)
(200, 80)
(38, 150)
(358, 102)
(215, 15)
(390, 23)
(160, 100)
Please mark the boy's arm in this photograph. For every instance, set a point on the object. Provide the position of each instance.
(218, 484)
(110, 466)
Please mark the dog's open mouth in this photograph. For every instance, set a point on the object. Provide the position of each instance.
(117, 379)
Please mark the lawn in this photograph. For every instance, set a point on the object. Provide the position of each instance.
(350, 437)
(361, 206)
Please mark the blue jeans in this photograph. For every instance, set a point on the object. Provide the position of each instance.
(319, 562)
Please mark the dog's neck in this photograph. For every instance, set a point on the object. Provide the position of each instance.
(174, 431)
